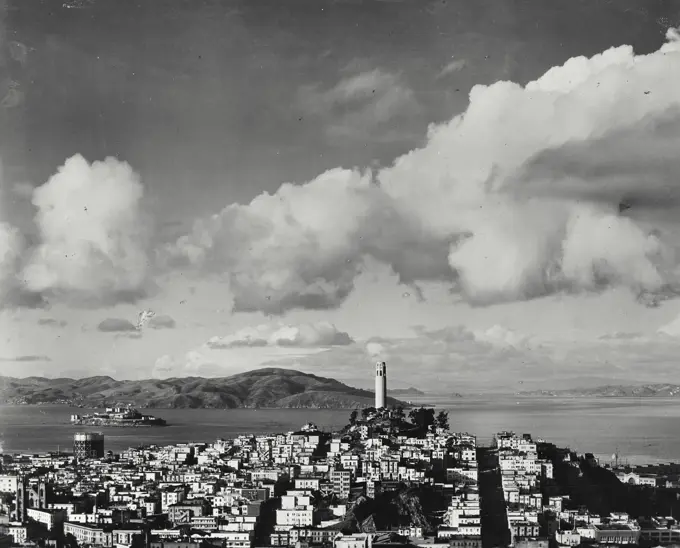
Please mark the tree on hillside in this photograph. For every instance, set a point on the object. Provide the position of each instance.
(422, 417)
(70, 541)
(353, 417)
(442, 420)
(398, 413)
(367, 411)
(282, 485)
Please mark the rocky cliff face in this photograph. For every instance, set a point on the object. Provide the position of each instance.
(400, 508)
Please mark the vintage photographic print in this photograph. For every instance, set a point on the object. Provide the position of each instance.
(339, 273)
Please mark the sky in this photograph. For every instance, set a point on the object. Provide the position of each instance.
(484, 194)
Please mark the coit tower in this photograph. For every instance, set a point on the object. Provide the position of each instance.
(380, 384)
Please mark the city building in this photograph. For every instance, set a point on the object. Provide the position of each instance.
(171, 497)
(29, 494)
(356, 540)
(19, 533)
(8, 484)
(86, 534)
(51, 519)
(210, 495)
(88, 445)
(342, 482)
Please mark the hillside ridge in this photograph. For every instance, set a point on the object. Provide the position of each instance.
(654, 390)
(268, 387)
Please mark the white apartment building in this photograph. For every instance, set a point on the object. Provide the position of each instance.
(89, 535)
(8, 484)
(168, 498)
(307, 483)
(297, 517)
(265, 475)
(49, 518)
(150, 507)
(18, 532)
(234, 539)
(356, 540)
(83, 518)
(292, 501)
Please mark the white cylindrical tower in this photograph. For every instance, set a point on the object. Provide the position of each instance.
(380, 384)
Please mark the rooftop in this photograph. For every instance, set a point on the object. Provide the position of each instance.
(613, 527)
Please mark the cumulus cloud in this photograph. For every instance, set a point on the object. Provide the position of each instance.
(503, 337)
(163, 367)
(92, 233)
(319, 334)
(452, 67)
(27, 359)
(360, 105)
(51, 322)
(376, 350)
(517, 198)
(497, 336)
(454, 358)
(11, 247)
(194, 364)
(287, 250)
(612, 167)
(620, 335)
(457, 361)
(161, 322)
(671, 329)
(116, 325)
(293, 249)
(451, 334)
(623, 336)
(136, 335)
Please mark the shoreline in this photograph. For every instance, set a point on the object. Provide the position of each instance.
(44, 427)
(426, 402)
(121, 425)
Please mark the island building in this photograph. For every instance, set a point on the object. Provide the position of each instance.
(118, 416)
(88, 445)
(380, 384)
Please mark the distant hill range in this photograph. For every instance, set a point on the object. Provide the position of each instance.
(614, 391)
(266, 388)
(410, 391)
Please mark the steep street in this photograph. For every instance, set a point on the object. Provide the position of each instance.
(495, 532)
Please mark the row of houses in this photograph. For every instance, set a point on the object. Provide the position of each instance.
(216, 491)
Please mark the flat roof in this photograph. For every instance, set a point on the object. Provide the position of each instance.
(612, 527)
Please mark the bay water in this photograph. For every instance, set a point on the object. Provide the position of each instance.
(641, 430)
